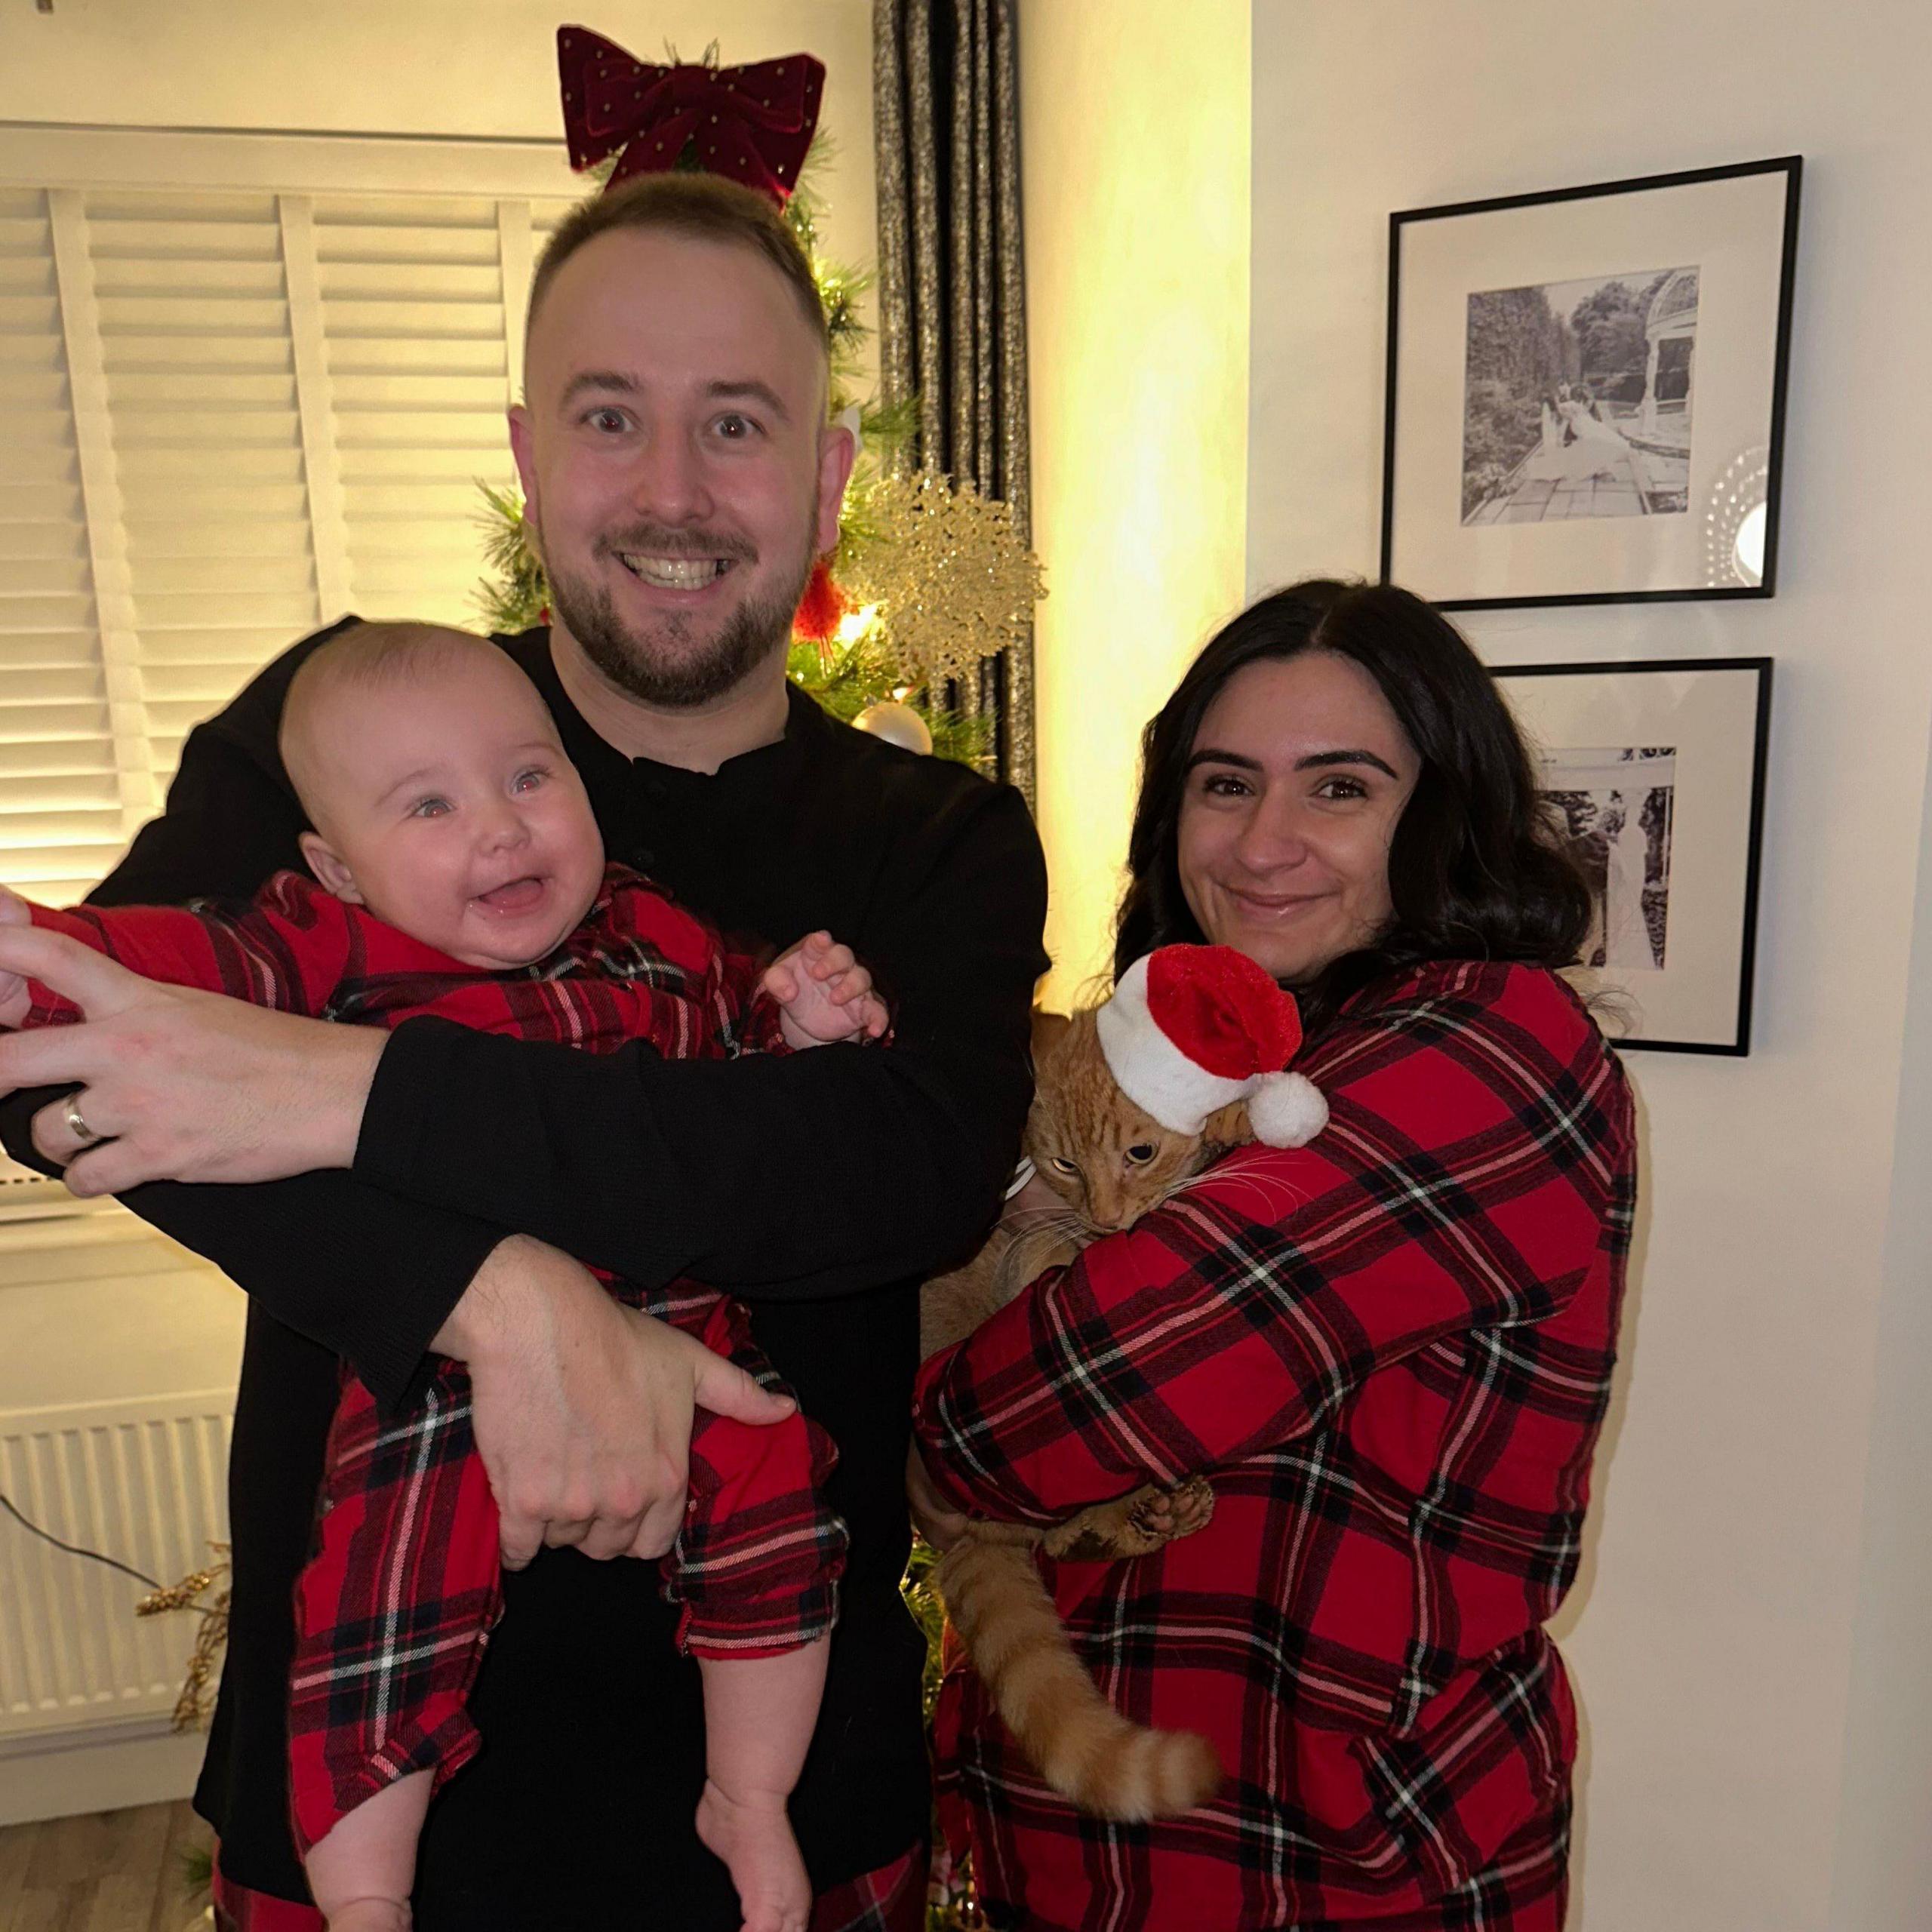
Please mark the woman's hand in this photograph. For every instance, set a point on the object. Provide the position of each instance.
(178, 1084)
(583, 1407)
(933, 1516)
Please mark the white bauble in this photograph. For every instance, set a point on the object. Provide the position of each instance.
(897, 724)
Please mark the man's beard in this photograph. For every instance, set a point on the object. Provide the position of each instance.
(671, 667)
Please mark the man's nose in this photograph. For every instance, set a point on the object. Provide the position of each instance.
(668, 485)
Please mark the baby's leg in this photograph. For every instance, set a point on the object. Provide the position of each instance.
(362, 1869)
(759, 1715)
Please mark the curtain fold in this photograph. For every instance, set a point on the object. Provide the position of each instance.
(952, 280)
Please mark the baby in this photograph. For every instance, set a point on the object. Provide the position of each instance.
(461, 873)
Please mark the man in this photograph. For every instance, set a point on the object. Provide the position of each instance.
(680, 476)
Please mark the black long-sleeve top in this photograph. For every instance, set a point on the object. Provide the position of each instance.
(819, 1188)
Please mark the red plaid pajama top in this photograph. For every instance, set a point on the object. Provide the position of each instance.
(395, 1608)
(1391, 1351)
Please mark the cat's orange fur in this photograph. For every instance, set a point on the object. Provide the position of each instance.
(1110, 1163)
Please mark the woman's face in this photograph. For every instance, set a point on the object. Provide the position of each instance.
(1298, 775)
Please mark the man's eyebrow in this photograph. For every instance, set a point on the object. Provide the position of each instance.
(751, 391)
(613, 381)
(1314, 761)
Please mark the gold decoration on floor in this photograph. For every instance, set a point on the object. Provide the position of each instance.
(953, 579)
(192, 1707)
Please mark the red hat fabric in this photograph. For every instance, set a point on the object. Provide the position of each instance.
(1192, 1028)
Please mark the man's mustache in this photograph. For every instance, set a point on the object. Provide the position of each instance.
(646, 540)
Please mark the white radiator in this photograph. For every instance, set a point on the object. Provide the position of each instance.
(144, 1481)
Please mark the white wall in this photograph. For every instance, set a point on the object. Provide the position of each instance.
(1749, 1638)
(1137, 341)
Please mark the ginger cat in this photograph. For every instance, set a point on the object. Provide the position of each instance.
(1111, 1164)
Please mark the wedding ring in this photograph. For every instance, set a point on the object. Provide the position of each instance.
(76, 1125)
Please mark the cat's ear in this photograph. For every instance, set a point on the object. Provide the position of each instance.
(1049, 1029)
(1228, 1126)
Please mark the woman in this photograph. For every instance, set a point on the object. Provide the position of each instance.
(1390, 1350)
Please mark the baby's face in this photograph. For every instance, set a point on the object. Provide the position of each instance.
(457, 816)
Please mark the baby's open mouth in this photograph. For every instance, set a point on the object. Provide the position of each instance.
(516, 895)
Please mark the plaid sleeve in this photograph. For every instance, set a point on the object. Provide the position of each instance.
(1477, 1126)
(287, 948)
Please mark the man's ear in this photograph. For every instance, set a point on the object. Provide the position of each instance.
(522, 447)
(837, 450)
(331, 874)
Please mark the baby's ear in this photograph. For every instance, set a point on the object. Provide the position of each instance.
(1229, 1127)
(331, 874)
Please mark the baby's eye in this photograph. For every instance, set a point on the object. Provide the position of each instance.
(430, 808)
(528, 781)
(1141, 1153)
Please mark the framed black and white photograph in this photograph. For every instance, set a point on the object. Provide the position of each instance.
(1657, 773)
(1586, 391)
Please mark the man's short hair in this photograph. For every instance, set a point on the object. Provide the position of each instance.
(703, 208)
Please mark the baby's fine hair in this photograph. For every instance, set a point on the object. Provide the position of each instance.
(368, 657)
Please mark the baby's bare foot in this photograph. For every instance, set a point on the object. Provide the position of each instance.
(753, 1837)
(370, 1915)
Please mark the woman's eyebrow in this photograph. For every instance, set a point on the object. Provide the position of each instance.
(1317, 760)
(1207, 755)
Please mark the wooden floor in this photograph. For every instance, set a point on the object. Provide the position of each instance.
(109, 1872)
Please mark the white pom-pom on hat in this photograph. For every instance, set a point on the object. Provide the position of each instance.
(1192, 1028)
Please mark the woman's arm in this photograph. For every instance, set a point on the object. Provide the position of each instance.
(1473, 1174)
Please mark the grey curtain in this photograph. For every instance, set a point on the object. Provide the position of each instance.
(952, 284)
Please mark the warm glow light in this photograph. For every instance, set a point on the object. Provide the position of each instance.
(855, 624)
(1749, 551)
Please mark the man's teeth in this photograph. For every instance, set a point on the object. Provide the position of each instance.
(674, 573)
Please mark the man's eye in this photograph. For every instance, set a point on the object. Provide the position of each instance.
(612, 422)
(734, 428)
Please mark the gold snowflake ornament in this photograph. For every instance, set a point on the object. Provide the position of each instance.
(953, 580)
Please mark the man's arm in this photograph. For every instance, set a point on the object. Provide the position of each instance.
(819, 1173)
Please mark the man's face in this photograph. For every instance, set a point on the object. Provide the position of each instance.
(679, 474)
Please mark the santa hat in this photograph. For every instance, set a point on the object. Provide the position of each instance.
(1191, 1028)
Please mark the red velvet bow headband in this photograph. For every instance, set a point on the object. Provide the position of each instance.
(752, 124)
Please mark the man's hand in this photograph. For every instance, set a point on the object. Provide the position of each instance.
(583, 1407)
(180, 1085)
(824, 994)
(933, 1516)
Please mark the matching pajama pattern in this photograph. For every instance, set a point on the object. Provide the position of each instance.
(396, 1606)
(1391, 1351)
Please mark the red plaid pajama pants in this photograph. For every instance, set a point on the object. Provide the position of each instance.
(394, 1609)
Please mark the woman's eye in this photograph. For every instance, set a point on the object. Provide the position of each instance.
(1339, 787)
(1141, 1154)
(1224, 785)
(1060, 1167)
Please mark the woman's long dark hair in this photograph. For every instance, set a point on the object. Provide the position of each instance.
(1476, 871)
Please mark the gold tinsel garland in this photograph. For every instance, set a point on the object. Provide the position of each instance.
(953, 579)
(191, 1707)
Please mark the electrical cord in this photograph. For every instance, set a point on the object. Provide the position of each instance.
(75, 1549)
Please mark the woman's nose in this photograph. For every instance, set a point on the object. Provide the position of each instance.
(1274, 835)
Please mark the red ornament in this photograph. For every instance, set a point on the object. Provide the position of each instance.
(751, 125)
(821, 607)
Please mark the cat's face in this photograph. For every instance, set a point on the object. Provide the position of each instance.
(1109, 1161)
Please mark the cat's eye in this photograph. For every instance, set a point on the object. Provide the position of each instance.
(1060, 1167)
(1141, 1154)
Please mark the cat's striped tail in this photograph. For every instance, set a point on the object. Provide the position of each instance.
(1106, 1764)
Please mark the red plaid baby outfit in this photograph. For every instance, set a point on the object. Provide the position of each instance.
(1391, 1351)
(396, 1606)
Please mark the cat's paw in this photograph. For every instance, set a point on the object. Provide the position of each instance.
(1134, 1525)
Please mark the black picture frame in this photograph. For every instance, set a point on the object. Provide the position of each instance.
(1712, 835)
(1451, 552)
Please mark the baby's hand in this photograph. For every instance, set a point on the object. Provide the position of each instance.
(14, 1003)
(824, 994)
